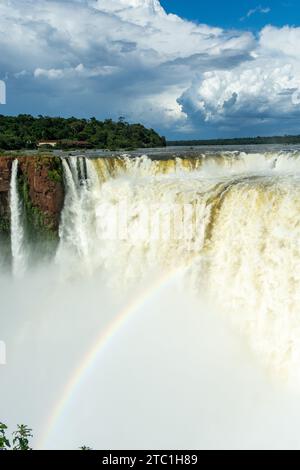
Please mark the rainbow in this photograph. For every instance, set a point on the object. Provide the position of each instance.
(92, 356)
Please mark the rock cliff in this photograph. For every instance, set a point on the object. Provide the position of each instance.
(41, 189)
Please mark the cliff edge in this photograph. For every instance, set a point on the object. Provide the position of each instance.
(41, 189)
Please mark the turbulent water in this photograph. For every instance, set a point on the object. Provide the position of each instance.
(232, 221)
(228, 224)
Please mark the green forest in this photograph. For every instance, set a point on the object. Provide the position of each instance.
(25, 132)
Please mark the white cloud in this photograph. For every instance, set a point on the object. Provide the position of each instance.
(256, 94)
(248, 93)
(253, 11)
(71, 72)
(281, 41)
(259, 9)
(129, 57)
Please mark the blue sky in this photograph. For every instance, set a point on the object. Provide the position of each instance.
(190, 69)
(233, 14)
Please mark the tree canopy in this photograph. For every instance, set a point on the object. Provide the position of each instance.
(25, 132)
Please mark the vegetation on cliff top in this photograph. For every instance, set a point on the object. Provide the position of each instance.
(25, 132)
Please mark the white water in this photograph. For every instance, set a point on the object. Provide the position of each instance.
(17, 230)
(242, 249)
(212, 373)
(78, 217)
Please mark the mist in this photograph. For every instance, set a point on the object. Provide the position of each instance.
(175, 375)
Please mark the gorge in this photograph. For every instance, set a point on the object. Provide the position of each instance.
(195, 258)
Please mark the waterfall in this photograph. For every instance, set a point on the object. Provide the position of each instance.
(108, 199)
(231, 221)
(17, 229)
(77, 219)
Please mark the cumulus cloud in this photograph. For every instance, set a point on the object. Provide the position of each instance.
(255, 96)
(129, 57)
(248, 93)
(280, 42)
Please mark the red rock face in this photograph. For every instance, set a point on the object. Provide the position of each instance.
(45, 194)
(5, 169)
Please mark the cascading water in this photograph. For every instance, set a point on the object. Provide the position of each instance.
(231, 221)
(17, 229)
(77, 220)
(242, 248)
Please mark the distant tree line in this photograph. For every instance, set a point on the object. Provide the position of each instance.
(25, 132)
(286, 139)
